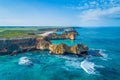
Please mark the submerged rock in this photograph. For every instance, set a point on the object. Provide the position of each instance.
(95, 53)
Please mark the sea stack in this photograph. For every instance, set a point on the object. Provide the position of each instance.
(63, 49)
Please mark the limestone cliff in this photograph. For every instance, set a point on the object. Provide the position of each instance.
(12, 46)
(57, 49)
(78, 49)
(64, 35)
(42, 44)
(63, 48)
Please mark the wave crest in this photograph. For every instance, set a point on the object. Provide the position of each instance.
(24, 61)
(88, 67)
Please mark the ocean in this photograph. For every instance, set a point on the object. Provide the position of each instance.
(44, 66)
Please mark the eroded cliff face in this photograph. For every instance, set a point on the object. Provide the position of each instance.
(64, 35)
(58, 49)
(42, 44)
(11, 46)
(63, 48)
(79, 49)
(70, 34)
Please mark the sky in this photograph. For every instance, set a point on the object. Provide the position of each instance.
(85, 13)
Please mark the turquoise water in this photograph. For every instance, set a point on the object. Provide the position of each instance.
(58, 67)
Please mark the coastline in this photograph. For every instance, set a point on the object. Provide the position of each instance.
(42, 41)
(43, 63)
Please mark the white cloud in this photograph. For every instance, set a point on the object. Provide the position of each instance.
(95, 16)
(94, 4)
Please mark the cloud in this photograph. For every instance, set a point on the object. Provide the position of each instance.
(94, 4)
(99, 12)
(95, 16)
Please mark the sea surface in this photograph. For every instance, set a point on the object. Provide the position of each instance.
(43, 66)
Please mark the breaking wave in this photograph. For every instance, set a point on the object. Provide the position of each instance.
(79, 63)
(88, 67)
(100, 51)
(105, 56)
(25, 61)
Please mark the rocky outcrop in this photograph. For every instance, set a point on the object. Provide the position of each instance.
(95, 53)
(64, 35)
(78, 49)
(63, 48)
(69, 35)
(12, 46)
(42, 44)
(57, 49)
(71, 32)
(18, 45)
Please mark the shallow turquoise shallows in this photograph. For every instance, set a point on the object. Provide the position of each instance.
(43, 66)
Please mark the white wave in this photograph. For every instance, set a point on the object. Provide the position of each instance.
(88, 67)
(70, 62)
(102, 52)
(105, 56)
(24, 61)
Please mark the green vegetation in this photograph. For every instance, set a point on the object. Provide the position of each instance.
(13, 34)
(21, 32)
(4, 29)
(17, 32)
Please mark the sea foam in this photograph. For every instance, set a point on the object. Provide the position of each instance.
(105, 56)
(88, 67)
(25, 61)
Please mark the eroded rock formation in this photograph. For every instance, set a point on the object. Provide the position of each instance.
(11, 46)
(58, 49)
(65, 35)
(42, 44)
(63, 48)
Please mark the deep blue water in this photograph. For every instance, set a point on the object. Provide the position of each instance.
(59, 67)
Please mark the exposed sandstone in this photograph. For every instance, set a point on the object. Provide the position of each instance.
(79, 49)
(57, 49)
(12, 46)
(63, 48)
(42, 44)
(64, 35)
